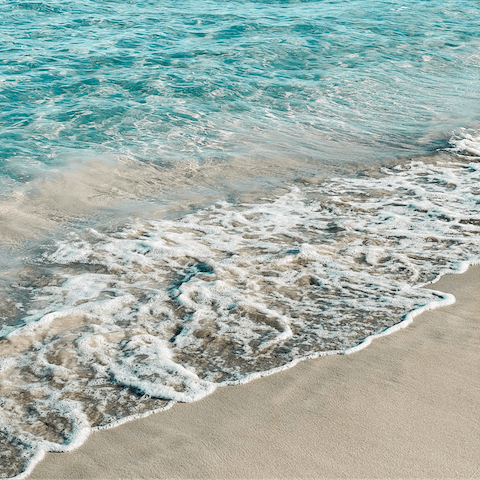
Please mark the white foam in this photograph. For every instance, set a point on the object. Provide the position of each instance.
(466, 141)
(157, 375)
(231, 293)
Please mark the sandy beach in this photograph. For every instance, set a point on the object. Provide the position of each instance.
(408, 406)
(196, 194)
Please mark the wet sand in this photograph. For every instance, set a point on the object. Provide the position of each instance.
(407, 406)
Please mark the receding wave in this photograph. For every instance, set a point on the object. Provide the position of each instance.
(121, 323)
(44, 204)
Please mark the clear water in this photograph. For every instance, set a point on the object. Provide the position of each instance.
(163, 81)
(196, 194)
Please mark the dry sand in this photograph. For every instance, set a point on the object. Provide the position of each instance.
(407, 406)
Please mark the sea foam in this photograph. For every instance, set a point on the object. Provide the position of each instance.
(119, 324)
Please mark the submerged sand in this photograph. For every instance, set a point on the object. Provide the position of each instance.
(407, 406)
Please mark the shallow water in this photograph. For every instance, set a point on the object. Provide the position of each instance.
(198, 195)
(317, 81)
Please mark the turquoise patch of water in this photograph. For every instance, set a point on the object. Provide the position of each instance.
(162, 81)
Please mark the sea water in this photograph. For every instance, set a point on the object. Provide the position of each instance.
(196, 194)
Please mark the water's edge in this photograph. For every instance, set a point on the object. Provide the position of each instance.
(448, 299)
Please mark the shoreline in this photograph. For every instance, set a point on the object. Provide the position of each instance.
(406, 407)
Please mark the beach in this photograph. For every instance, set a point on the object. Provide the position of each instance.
(220, 223)
(404, 407)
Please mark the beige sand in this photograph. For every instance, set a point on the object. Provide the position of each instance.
(408, 406)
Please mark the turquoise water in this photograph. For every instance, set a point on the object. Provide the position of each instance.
(196, 194)
(163, 81)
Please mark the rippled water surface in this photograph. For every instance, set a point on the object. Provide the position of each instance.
(195, 194)
(167, 81)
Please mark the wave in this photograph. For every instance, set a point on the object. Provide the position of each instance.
(44, 204)
(124, 322)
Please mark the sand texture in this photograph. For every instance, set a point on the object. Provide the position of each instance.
(407, 406)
